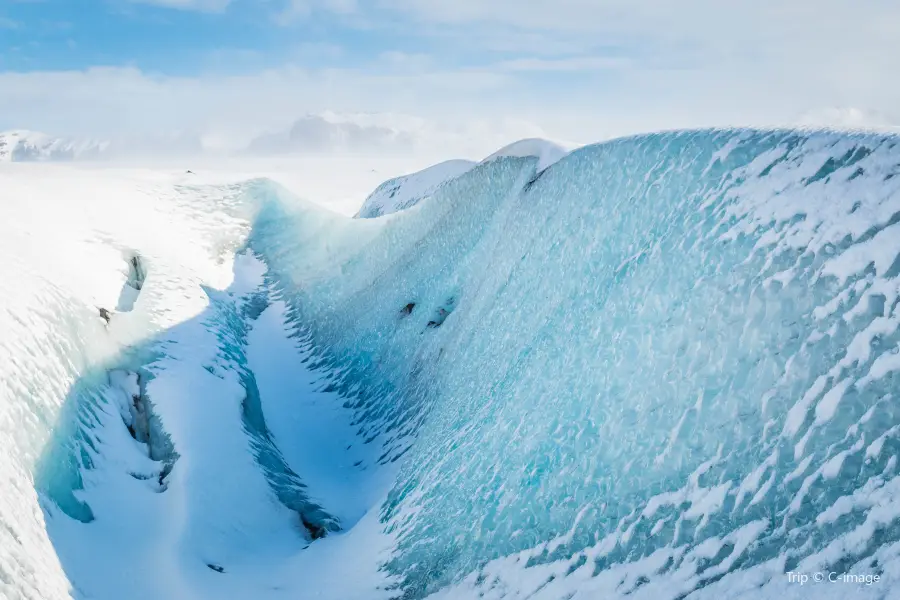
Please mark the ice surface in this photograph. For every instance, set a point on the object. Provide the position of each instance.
(665, 368)
(637, 284)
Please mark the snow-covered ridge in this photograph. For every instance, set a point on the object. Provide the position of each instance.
(408, 190)
(545, 151)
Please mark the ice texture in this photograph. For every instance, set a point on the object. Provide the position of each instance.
(645, 343)
(658, 367)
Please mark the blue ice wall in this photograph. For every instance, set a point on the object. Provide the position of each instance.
(671, 357)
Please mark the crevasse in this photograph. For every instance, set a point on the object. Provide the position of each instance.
(662, 367)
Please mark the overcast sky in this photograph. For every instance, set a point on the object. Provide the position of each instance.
(573, 70)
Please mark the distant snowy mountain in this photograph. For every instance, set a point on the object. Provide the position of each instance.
(33, 146)
(406, 191)
(21, 146)
(325, 135)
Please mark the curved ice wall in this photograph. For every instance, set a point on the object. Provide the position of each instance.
(664, 365)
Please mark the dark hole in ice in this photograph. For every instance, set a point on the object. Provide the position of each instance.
(165, 473)
(315, 531)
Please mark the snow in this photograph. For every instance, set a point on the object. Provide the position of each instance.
(545, 151)
(24, 145)
(548, 387)
(312, 430)
(407, 191)
(70, 233)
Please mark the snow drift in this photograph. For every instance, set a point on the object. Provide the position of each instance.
(659, 367)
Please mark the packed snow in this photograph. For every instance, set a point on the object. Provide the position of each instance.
(658, 367)
(405, 192)
(545, 151)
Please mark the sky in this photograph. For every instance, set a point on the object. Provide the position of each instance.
(474, 72)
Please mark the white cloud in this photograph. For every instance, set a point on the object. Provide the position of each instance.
(580, 69)
(848, 118)
(818, 36)
(104, 102)
(317, 134)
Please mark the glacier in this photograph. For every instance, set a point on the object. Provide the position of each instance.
(662, 366)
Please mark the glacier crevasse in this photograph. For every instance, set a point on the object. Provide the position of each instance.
(664, 366)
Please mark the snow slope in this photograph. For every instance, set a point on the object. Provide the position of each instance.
(407, 191)
(663, 369)
(545, 151)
